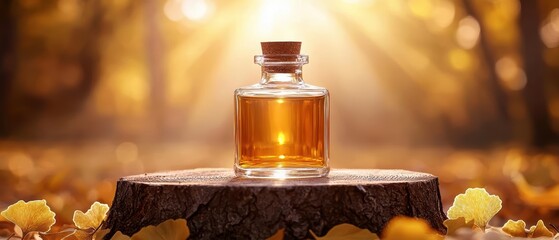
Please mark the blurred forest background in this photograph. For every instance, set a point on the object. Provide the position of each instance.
(91, 90)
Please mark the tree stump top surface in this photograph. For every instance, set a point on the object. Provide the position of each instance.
(226, 177)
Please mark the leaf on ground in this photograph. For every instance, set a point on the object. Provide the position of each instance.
(91, 219)
(515, 228)
(539, 230)
(457, 223)
(475, 204)
(169, 230)
(100, 234)
(278, 235)
(120, 236)
(406, 228)
(79, 234)
(32, 216)
(346, 231)
(64, 234)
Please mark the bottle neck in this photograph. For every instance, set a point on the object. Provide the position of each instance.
(272, 76)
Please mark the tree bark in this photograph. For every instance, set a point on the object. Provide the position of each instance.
(534, 66)
(218, 205)
(8, 31)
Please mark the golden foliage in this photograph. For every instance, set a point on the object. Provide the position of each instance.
(35, 219)
(169, 230)
(515, 228)
(406, 228)
(92, 234)
(457, 223)
(32, 216)
(539, 230)
(278, 235)
(346, 231)
(120, 236)
(475, 204)
(93, 218)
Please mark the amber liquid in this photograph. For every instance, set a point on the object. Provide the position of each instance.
(281, 132)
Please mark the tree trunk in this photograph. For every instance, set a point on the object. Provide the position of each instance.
(8, 27)
(217, 205)
(534, 66)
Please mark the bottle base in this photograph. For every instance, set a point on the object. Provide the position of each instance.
(281, 173)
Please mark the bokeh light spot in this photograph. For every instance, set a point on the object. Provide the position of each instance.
(172, 10)
(512, 76)
(195, 9)
(549, 32)
(20, 164)
(421, 8)
(460, 59)
(443, 13)
(468, 32)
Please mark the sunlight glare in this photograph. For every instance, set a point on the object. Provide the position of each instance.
(195, 9)
(281, 138)
(172, 10)
(277, 13)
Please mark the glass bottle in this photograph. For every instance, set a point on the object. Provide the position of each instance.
(281, 123)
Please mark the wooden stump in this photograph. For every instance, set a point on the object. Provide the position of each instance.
(217, 205)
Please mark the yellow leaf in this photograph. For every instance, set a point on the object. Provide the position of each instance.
(515, 228)
(88, 234)
(119, 236)
(346, 231)
(83, 234)
(406, 228)
(539, 230)
(278, 235)
(454, 224)
(100, 234)
(92, 218)
(30, 216)
(64, 234)
(168, 230)
(475, 204)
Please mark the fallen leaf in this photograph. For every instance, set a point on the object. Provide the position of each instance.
(100, 234)
(278, 235)
(454, 224)
(539, 230)
(32, 216)
(492, 234)
(64, 234)
(406, 228)
(92, 218)
(89, 235)
(80, 234)
(515, 228)
(120, 236)
(168, 230)
(6, 228)
(475, 204)
(346, 231)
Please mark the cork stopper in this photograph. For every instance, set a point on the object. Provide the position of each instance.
(281, 52)
(281, 48)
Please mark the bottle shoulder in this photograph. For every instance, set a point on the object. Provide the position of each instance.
(300, 90)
